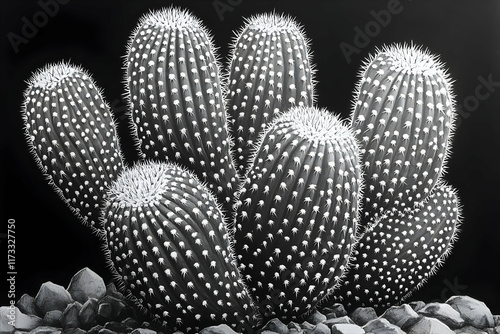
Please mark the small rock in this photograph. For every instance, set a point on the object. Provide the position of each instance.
(51, 297)
(315, 317)
(293, 325)
(45, 330)
(131, 322)
(117, 327)
(53, 318)
(347, 329)
(143, 331)
(338, 309)
(12, 318)
(474, 312)
(362, 315)
(416, 305)
(86, 284)
(107, 331)
(117, 306)
(88, 314)
(69, 318)
(275, 325)
(73, 331)
(443, 312)
(26, 304)
(95, 330)
(104, 311)
(220, 329)
(429, 326)
(307, 326)
(496, 320)
(341, 320)
(112, 291)
(470, 330)
(402, 316)
(320, 329)
(382, 326)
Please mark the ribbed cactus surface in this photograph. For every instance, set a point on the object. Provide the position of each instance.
(401, 250)
(72, 135)
(403, 116)
(297, 211)
(174, 86)
(270, 72)
(169, 243)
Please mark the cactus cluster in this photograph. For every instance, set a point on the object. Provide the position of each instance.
(249, 201)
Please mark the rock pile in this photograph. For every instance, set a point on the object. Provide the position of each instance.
(89, 306)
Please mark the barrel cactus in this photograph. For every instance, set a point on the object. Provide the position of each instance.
(301, 209)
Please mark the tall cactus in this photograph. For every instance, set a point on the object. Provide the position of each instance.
(72, 135)
(174, 86)
(403, 117)
(270, 72)
(170, 245)
(297, 211)
(400, 251)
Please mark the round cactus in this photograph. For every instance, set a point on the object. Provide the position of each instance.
(174, 87)
(297, 211)
(171, 248)
(403, 117)
(270, 72)
(72, 135)
(399, 252)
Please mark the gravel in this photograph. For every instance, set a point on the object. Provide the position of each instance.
(88, 306)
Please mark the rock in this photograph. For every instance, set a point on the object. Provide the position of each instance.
(337, 309)
(69, 318)
(104, 311)
(496, 320)
(220, 329)
(88, 313)
(293, 325)
(26, 304)
(307, 326)
(143, 331)
(53, 318)
(429, 326)
(86, 284)
(95, 330)
(117, 327)
(362, 315)
(45, 330)
(111, 290)
(347, 329)
(382, 326)
(320, 329)
(51, 297)
(474, 312)
(417, 305)
(443, 312)
(402, 316)
(275, 325)
(107, 331)
(117, 306)
(12, 318)
(73, 331)
(341, 320)
(315, 317)
(132, 323)
(470, 330)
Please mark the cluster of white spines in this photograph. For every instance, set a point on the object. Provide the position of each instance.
(403, 118)
(171, 247)
(296, 215)
(72, 135)
(270, 72)
(178, 103)
(400, 251)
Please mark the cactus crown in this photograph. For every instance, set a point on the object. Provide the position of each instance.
(171, 17)
(51, 75)
(274, 22)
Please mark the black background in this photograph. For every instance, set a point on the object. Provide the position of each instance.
(52, 246)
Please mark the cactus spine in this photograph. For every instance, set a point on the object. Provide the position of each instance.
(270, 72)
(403, 117)
(169, 242)
(297, 211)
(72, 135)
(174, 87)
(400, 251)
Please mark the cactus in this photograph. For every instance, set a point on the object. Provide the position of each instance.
(71, 133)
(297, 211)
(178, 103)
(400, 251)
(270, 72)
(170, 245)
(292, 238)
(403, 118)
